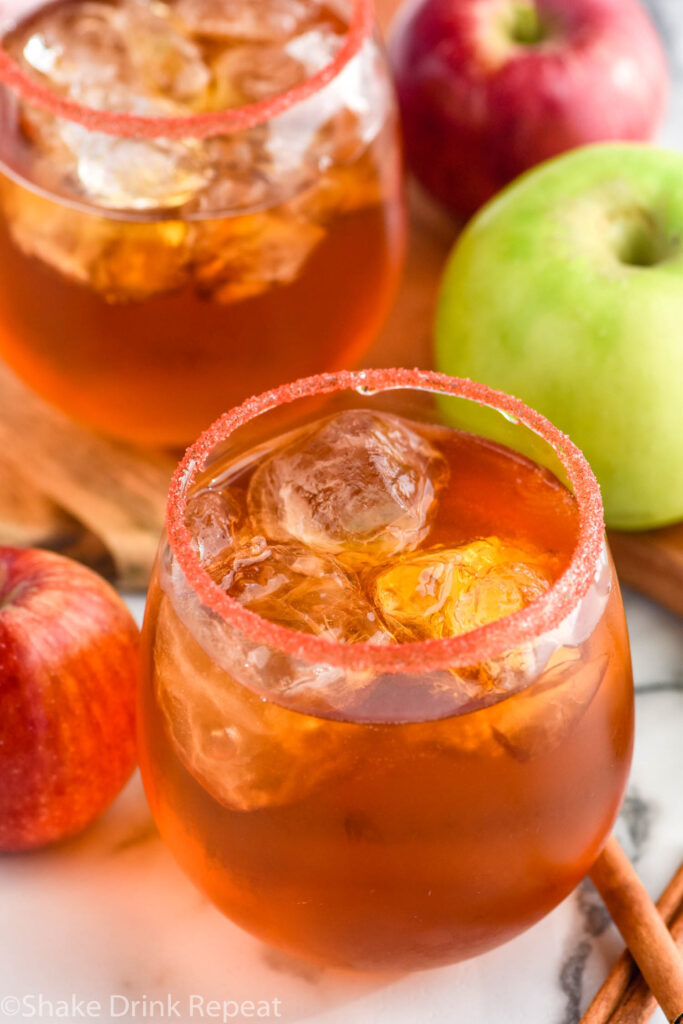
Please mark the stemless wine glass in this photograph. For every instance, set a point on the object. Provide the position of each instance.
(340, 799)
(198, 200)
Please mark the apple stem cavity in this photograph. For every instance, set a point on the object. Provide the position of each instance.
(526, 27)
(639, 240)
(7, 600)
(8, 593)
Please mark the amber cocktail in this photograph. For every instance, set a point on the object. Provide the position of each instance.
(198, 200)
(387, 714)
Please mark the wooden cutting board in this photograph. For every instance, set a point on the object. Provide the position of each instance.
(65, 488)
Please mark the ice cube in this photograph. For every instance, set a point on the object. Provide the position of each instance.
(293, 587)
(344, 118)
(317, 47)
(117, 173)
(248, 753)
(255, 20)
(74, 45)
(212, 517)
(53, 165)
(339, 191)
(448, 591)
(537, 720)
(253, 170)
(140, 261)
(411, 697)
(445, 592)
(239, 183)
(161, 57)
(238, 258)
(134, 45)
(121, 261)
(360, 484)
(338, 140)
(336, 133)
(250, 72)
(247, 74)
(127, 58)
(137, 174)
(297, 588)
(228, 258)
(49, 232)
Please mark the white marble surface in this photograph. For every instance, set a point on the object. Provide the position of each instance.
(109, 916)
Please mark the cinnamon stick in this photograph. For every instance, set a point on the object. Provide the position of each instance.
(625, 972)
(639, 1003)
(651, 944)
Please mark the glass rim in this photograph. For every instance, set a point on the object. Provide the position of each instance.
(474, 647)
(190, 126)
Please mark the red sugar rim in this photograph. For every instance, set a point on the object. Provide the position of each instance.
(197, 126)
(471, 648)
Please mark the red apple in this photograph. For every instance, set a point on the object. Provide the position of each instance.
(68, 678)
(489, 88)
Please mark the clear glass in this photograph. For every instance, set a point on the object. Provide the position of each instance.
(164, 258)
(427, 828)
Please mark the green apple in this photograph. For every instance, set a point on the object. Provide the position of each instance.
(567, 291)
